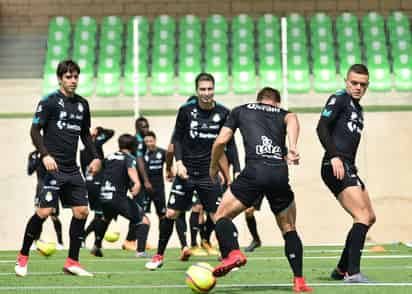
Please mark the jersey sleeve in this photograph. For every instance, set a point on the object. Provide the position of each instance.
(130, 161)
(232, 121)
(178, 133)
(332, 109)
(140, 147)
(86, 118)
(43, 112)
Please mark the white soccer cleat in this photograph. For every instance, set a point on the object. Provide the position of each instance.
(59, 246)
(73, 267)
(21, 265)
(155, 263)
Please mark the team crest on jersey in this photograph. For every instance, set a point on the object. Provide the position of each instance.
(146, 158)
(216, 118)
(80, 107)
(159, 155)
(61, 102)
(49, 197)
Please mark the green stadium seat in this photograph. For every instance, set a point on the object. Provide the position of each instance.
(400, 47)
(402, 69)
(298, 74)
(164, 22)
(86, 86)
(347, 34)
(142, 24)
(164, 36)
(376, 46)
(110, 66)
(242, 48)
(190, 36)
(374, 32)
(268, 49)
(346, 20)
(135, 80)
(83, 50)
(346, 60)
(57, 51)
(216, 49)
(216, 35)
(60, 23)
(191, 22)
(190, 49)
(112, 22)
(379, 73)
(216, 21)
(242, 35)
(110, 51)
(85, 37)
(108, 85)
(189, 68)
(242, 21)
(295, 20)
(372, 19)
(297, 48)
(320, 20)
(322, 48)
(162, 82)
(270, 71)
(164, 50)
(218, 67)
(324, 72)
(400, 33)
(86, 23)
(244, 74)
(269, 21)
(296, 34)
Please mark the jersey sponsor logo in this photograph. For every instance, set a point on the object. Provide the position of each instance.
(268, 150)
(326, 113)
(266, 108)
(115, 156)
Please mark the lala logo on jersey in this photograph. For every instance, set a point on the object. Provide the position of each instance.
(268, 150)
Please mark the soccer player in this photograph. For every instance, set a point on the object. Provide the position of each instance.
(339, 130)
(263, 126)
(251, 225)
(60, 119)
(197, 126)
(118, 175)
(34, 165)
(100, 136)
(141, 127)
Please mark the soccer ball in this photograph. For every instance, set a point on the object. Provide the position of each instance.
(45, 248)
(199, 277)
(112, 236)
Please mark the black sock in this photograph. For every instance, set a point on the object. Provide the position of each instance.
(58, 228)
(33, 231)
(142, 231)
(76, 233)
(166, 230)
(181, 228)
(131, 234)
(226, 234)
(343, 261)
(100, 228)
(194, 228)
(357, 239)
(294, 252)
(209, 227)
(251, 224)
(90, 228)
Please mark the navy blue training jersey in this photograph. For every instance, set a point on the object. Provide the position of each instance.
(195, 131)
(263, 129)
(343, 116)
(115, 178)
(62, 120)
(154, 162)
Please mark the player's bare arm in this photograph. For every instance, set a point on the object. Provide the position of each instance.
(218, 149)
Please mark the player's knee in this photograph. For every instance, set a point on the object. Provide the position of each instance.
(172, 214)
(81, 212)
(249, 212)
(146, 220)
(44, 212)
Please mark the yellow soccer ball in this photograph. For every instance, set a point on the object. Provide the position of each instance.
(199, 277)
(45, 248)
(111, 236)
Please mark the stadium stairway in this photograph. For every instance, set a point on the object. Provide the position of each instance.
(22, 56)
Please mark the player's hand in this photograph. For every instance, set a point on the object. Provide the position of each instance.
(181, 170)
(338, 168)
(213, 173)
(148, 186)
(135, 189)
(293, 157)
(94, 166)
(49, 163)
(170, 174)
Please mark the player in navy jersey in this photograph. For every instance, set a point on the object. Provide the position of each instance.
(34, 166)
(197, 125)
(263, 126)
(339, 130)
(100, 136)
(119, 173)
(61, 118)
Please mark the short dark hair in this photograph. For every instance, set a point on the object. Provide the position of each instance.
(65, 66)
(151, 134)
(128, 142)
(141, 119)
(269, 93)
(359, 69)
(204, 76)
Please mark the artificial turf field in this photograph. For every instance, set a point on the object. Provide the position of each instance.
(267, 271)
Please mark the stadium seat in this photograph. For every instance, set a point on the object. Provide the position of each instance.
(242, 21)
(86, 24)
(164, 22)
(189, 68)
(108, 85)
(135, 78)
(218, 67)
(190, 49)
(400, 47)
(216, 21)
(402, 69)
(379, 73)
(190, 22)
(162, 81)
(244, 74)
(346, 60)
(298, 74)
(270, 71)
(271, 23)
(112, 22)
(324, 73)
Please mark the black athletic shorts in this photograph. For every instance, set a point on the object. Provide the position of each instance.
(258, 202)
(70, 188)
(158, 197)
(124, 206)
(143, 200)
(336, 186)
(181, 194)
(56, 210)
(93, 193)
(264, 178)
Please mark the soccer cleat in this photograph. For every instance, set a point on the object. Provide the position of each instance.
(143, 254)
(73, 267)
(253, 245)
(197, 251)
(96, 251)
(59, 246)
(129, 245)
(299, 285)
(185, 254)
(209, 248)
(358, 278)
(155, 263)
(236, 258)
(337, 274)
(21, 265)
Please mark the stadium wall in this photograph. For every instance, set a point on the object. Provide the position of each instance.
(383, 161)
(32, 16)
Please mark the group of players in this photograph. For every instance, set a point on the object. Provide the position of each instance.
(203, 148)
